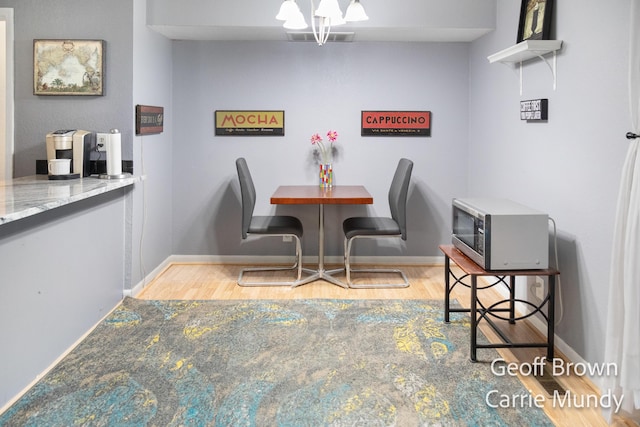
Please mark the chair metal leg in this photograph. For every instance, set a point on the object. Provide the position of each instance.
(348, 270)
(296, 266)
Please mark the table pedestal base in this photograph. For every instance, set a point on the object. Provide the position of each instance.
(322, 274)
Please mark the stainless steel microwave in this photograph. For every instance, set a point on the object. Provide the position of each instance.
(500, 234)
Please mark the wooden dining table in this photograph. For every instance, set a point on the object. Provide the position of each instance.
(316, 195)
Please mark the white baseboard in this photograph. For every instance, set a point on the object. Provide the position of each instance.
(258, 259)
(147, 279)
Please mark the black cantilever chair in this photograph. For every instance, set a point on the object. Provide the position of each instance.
(376, 227)
(272, 225)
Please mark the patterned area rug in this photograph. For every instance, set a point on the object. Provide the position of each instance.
(268, 363)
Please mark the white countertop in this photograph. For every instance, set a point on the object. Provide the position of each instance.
(30, 195)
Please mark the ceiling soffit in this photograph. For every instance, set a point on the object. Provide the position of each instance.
(397, 20)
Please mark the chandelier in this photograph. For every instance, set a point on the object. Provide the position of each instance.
(327, 15)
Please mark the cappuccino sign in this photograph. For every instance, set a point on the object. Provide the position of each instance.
(534, 109)
(396, 123)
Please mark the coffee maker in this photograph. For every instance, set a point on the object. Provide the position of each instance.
(71, 144)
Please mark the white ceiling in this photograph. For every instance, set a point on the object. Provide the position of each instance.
(389, 20)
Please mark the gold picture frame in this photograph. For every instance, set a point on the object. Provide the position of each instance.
(68, 67)
(535, 20)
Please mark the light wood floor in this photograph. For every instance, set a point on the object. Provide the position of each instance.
(218, 281)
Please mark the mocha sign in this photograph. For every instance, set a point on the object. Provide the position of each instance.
(249, 123)
(396, 123)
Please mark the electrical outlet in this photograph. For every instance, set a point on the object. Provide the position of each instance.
(287, 238)
(539, 288)
(101, 141)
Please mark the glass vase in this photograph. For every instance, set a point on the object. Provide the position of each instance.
(326, 175)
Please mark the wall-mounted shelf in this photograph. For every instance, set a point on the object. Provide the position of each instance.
(527, 50)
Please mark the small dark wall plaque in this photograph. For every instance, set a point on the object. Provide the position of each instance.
(396, 123)
(534, 110)
(149, 119)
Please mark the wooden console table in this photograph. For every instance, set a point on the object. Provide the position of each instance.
(478, 311)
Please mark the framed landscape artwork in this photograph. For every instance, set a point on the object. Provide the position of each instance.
(68, 67)
(535, 20)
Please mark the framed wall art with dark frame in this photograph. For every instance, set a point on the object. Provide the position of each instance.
(68, 67)
(535, 20)
(149, 119)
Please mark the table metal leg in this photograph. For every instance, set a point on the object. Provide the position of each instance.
(321, 238)
(474, 318)
(512, 299)
(551, 316)
(447, 288)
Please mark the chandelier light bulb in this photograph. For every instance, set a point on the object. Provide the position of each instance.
(329, 9)
(355, 12)
(327, 15)
(296, 21)
(287, 10)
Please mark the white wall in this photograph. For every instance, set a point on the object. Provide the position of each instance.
(569, 166)
(319, 89)
(151, 235)
(6, 93)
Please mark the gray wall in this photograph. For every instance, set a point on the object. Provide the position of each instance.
(36, 115)
(569, 167)
(111, 244)
(138, 71)
(50, 298)
(53, 289)
(319, 89)
(151, 231)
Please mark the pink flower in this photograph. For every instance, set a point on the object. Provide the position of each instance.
(325, 154)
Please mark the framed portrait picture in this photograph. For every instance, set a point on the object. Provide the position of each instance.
(68, 67)
(535, 20)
